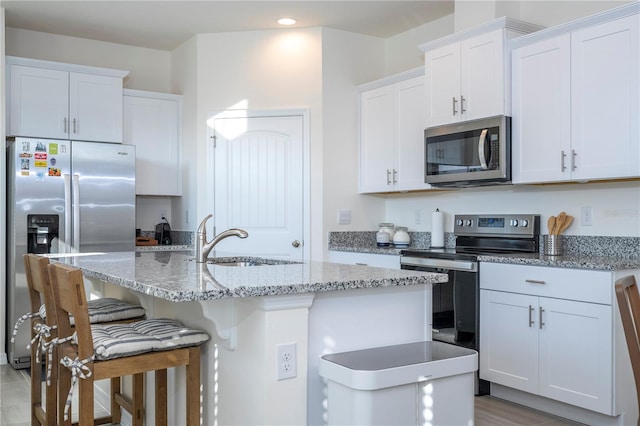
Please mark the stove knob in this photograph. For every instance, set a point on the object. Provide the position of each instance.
(514, 223)
(468, 222)
(524, 223)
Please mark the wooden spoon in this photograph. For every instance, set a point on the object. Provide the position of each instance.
(568, 221)
(562, 217)
(551, 222)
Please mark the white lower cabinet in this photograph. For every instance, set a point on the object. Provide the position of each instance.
(366, 259)
(535, 338)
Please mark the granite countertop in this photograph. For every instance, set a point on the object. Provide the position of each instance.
(613, 262)
(603, 263)
(175, 276)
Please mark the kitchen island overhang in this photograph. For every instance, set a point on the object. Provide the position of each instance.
(177, 277)
(250, 310)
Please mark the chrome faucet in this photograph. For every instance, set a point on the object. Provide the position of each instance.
(204, 247)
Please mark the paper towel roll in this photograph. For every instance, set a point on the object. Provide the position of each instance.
(437, 229)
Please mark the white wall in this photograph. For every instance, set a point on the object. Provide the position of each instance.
(616, 206)
(149, 69)
(267, 70)
(347, 60)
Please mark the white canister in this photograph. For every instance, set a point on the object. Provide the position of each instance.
(401, 237)
(385, 234)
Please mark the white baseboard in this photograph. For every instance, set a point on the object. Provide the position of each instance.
(3, 359)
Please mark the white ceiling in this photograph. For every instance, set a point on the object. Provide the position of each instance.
(166, 24)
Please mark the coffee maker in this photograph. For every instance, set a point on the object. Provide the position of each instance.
(42, 230)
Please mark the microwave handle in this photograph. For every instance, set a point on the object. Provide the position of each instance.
(481, 144)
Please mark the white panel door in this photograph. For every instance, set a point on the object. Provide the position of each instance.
(575, 361)
(39, 102)
(509, 339)
(542, 111)
(442, 72)
(95, 107)
(258, 185)
(482, 72)
(605, 93)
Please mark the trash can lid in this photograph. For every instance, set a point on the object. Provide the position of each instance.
(381, 367)
(381, 358)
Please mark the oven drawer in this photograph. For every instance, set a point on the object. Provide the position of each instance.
(562, 283)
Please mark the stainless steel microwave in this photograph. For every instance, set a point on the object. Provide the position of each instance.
(472, 153)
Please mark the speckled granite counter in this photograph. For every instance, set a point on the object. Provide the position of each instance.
(175, 276)
(581, 252)
(605, 263)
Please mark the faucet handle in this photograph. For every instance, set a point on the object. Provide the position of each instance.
(202, 227)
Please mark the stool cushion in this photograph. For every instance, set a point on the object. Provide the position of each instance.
(120, 340)
(107, 309)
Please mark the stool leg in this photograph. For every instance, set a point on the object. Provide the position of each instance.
(193, 387)
(86, 397)
(64, 384)
(52, 390)
(138, 399)
(116, 410)
(161, 397)
(36, 387)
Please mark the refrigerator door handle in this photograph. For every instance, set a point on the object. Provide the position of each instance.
(67, 214)
(76, 213)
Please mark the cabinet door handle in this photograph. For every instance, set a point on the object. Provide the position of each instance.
(540, 323)
(65, 125)
(535, 281)
(395, 176)
(573, 159)
(531, 321)
(562, 166)
(75, 127)
(454, 105)
(361, 264)
(462, 110)
(388, 177)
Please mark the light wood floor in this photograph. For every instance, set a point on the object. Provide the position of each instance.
(489, 411)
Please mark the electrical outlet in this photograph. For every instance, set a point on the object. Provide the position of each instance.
(418, 213)
(586, 218)
(286, 363)
(163, 215)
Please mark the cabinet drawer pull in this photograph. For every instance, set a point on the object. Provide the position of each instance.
(540, 323)
(531, 321)
(361, 264)
(535, 281)
(454, 105)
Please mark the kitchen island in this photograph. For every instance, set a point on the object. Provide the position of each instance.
(250, 310)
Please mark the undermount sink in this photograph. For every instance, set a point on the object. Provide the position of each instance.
(237, 263)
(247, 261)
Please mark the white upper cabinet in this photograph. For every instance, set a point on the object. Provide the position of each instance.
(152, 122)
(575, 102)
(62, 101)
(392, 136)
(466, 73)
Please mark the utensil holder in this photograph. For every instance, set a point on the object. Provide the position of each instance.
(552, 245)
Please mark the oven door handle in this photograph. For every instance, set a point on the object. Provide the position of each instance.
(459, 265)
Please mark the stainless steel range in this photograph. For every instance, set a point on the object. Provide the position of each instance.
(456, 316)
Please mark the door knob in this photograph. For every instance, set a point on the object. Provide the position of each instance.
(295, 243)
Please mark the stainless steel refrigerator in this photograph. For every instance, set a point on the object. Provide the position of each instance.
(63, 197)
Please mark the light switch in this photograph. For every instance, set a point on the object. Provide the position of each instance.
(344, 217)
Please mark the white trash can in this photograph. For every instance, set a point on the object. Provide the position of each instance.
(421, 383)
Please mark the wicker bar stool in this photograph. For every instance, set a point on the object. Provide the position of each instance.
(106, 351)
(43, 330)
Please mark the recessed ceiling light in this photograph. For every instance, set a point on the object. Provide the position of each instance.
(286, 21)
